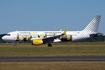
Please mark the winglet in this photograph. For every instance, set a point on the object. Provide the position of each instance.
(65, 31)
(60, 29)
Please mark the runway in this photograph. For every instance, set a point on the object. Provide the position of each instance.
(53, 58)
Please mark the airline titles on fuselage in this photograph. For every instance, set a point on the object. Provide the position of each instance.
(39, 33)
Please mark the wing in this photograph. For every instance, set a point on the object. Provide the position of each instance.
(51, 39)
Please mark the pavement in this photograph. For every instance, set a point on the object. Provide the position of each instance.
(53, 58)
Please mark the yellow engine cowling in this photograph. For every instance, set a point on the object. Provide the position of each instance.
(37, 42)
(66, 38)
(69, 37)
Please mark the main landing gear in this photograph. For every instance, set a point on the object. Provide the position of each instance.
(49, 45)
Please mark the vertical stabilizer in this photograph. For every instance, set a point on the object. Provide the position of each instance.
(93, 25)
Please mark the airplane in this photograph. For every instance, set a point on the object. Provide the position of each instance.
(42, 37)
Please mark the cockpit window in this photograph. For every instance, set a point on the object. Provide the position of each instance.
(7, 34)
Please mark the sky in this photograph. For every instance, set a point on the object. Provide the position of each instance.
(49, 15)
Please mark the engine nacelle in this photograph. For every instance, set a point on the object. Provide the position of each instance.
(37, 42)
(66, 38)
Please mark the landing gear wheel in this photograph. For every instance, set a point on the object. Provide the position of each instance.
(15, 44)
(49, 45)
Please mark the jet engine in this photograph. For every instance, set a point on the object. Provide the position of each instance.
(37, 42)
(66, 38)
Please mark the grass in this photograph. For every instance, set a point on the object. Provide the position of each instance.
(73, 65)
(58, 49)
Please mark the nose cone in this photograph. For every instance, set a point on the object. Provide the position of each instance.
(8, 39)
(4, 38)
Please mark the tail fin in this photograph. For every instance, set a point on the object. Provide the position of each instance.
(93, 25)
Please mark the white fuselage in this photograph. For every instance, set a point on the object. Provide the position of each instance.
(76, 35)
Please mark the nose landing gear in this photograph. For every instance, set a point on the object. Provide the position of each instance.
(15, 44)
